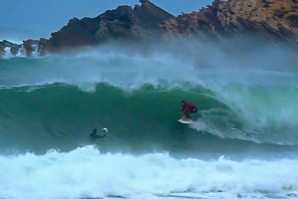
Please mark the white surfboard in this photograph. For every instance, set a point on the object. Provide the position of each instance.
(185, 122)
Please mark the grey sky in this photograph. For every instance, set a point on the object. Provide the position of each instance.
(38, 18)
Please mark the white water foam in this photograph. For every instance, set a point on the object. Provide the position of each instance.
(21, 52)
(85, 172)
(8, 54)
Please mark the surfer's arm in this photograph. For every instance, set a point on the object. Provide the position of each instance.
(183, 108)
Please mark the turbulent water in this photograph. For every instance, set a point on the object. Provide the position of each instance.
(243, 142)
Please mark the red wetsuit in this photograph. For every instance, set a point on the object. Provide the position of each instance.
(189, 107)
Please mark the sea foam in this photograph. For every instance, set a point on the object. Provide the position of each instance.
(85, 172)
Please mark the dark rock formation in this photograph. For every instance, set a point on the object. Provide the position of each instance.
(30, 46)
(140, 24)
(26, 49)
(269, 20)
(272, 21)
(13, 48)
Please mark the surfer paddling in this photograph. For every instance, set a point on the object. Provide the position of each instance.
(94, 135)
(188, 109)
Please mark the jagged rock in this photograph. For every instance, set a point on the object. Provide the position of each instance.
(26, 48)
(30, 46)
(272, 21)
(240, 19)
(2, 47)
(75, 34)
(122, 24)
(5, 45)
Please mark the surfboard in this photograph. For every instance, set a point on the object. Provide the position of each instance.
(185, 122)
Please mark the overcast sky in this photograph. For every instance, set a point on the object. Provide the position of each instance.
(41, 17)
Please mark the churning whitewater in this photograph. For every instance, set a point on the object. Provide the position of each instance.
(245, 132)
(85, 172)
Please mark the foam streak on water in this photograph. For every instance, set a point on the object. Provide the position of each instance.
(85, 172)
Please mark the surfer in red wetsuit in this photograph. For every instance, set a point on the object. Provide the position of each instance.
(188, 109)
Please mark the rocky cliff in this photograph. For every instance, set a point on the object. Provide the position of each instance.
(272, 21)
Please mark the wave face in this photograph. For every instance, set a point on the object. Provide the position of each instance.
(49, 106)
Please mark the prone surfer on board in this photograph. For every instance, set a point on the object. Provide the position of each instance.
(94, 135)
(188, 109)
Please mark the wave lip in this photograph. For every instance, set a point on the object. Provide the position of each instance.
(85, 172)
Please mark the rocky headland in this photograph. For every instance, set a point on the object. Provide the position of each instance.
(272, 21)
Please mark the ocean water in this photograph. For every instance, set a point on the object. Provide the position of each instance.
(242, 144)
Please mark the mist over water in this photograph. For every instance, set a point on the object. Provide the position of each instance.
(246, 122)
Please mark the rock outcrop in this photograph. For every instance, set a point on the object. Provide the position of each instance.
(25, 49)
(6, 45)
(270, 20)
(139, 24)
(273, 21)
